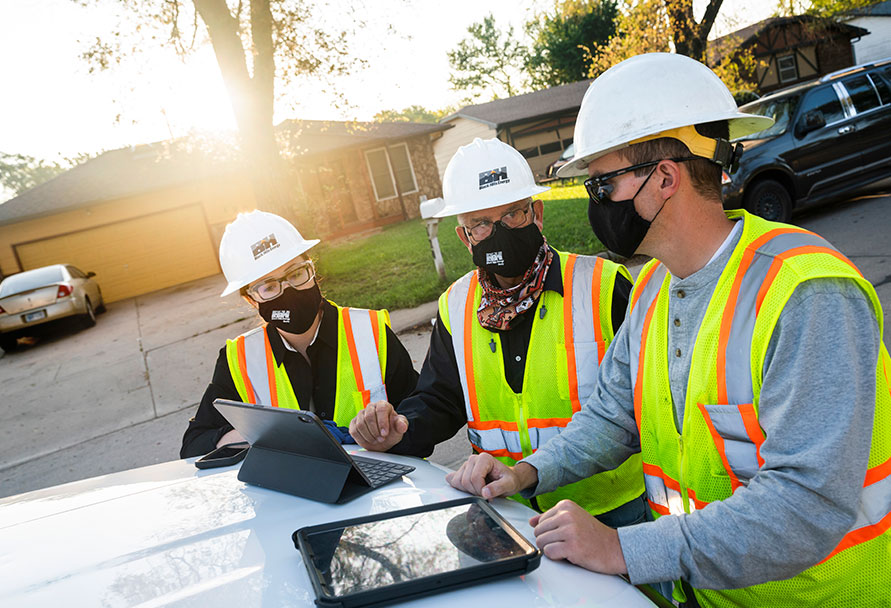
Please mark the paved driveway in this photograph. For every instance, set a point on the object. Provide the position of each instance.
(119, 395)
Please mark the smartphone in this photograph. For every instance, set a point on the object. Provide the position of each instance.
(224, 456)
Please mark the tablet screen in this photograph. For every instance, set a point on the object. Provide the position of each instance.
(380, 553)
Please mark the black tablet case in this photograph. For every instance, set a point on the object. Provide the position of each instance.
(292, 452)
(420, 587)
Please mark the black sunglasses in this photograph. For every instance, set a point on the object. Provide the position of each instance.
(599, 190)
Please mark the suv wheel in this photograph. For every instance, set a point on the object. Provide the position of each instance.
(769, 199)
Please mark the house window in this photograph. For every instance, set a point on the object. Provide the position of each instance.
(788, 68)
(530, 152)
(550, 147)
(387, 172)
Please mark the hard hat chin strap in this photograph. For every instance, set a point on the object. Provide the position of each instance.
(717, 150)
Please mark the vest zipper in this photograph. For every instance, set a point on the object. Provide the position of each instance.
(523, 428)
(683, 484)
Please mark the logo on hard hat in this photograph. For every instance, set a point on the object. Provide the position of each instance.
(264, 246)
(494, 258)
(493, 177)
(281, 315)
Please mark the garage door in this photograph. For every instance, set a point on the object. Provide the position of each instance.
(135, 256)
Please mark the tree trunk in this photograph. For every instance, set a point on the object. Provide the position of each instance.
(690, 37)
(251, 97)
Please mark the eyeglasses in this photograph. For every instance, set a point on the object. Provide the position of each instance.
(484, 228)
(599, 190)
(271, 288)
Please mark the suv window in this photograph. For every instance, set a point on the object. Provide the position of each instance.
(863, 95)
(74, 272)
(882, 85)
(825, 100)
(781, 110)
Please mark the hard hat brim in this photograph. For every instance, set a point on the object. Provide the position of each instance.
(459, 209)
(270, 265)
(740, 124)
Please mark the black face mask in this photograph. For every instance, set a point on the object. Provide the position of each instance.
(508, 252)
(294, 310)
(618, 225)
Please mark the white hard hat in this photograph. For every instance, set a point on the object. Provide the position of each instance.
(255, 244)
(643, 97)
(486, 174)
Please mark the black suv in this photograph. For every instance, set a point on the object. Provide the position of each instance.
(832, 136)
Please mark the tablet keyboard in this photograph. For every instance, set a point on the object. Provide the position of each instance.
(380, 472)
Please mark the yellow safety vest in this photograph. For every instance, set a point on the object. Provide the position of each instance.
(361, 365)
(570, 335)
(718, 449)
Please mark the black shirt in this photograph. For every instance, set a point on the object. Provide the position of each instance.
(314, 381)
(436, 409)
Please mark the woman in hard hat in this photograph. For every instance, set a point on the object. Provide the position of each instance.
(309, 354)
(516, 345)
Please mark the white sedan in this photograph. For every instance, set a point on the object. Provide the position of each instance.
(36, 297)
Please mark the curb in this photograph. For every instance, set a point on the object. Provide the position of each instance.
(409, 318)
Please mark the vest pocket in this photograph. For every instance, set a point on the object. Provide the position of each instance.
(737, 437)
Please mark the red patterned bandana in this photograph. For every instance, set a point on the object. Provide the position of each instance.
(499, 307)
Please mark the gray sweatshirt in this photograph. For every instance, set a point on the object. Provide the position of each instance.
(816, 406)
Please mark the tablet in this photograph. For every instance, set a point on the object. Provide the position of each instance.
(401, 555)
(292, 451)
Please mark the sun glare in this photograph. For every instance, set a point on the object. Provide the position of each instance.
(193, 96)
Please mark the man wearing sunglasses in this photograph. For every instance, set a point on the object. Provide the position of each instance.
(310, 353)
(517, 342)
(749, 372)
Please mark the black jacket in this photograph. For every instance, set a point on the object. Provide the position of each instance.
(314, 382)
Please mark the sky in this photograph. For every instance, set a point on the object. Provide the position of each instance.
(52, 107)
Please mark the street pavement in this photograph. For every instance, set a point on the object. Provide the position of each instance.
(119, 395)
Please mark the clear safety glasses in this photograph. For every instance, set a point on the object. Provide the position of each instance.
(512, 219)
(271, 288)
(598, 188)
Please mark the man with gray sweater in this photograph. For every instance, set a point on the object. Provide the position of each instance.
(749, 372)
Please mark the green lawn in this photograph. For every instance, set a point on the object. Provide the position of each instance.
(394, 268)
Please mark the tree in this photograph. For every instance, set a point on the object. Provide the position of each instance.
(256, 44)
(19, 172)
(488, 61)
(647, 26)
(642, 27)
(413, 114)
(565, 40)
(690, 36)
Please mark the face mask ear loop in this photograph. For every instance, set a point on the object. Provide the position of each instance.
(660, 211)
(639, 191)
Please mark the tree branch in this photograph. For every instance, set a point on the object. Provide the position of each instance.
(708, 20)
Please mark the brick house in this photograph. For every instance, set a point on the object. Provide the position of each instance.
(367, 174)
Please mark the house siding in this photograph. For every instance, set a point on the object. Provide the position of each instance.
(464, 132)
(875, 46)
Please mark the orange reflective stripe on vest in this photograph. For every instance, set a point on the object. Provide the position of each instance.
(258, 367)
(567, 323)
(366, 367)
(595, 308)
(244, 375)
